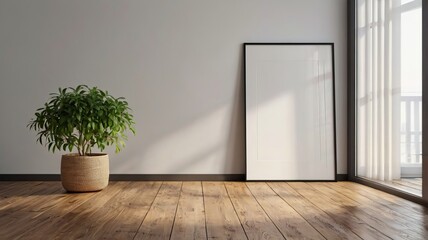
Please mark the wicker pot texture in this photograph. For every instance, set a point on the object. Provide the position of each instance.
(84, 173)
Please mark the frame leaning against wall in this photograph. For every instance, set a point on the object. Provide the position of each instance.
(282, 53)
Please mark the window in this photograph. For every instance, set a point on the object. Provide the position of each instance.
(389, 89)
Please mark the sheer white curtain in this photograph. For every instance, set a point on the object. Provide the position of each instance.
(378, 80)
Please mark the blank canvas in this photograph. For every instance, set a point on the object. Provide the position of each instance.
(290, 117)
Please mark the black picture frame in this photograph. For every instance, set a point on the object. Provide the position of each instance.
(333, 102)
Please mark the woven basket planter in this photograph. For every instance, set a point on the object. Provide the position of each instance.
(84, 173)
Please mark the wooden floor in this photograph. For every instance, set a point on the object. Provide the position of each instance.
(410, 185)
(214, 210)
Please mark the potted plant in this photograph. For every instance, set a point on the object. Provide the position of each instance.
(83, 118)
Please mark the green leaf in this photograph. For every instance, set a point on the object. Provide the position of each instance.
(82, 115)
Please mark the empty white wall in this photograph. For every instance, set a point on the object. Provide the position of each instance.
(178, 62)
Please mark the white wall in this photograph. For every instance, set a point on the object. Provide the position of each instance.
(178, 62)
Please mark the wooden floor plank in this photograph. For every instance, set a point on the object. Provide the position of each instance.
(417, 182)
(160, 218)
(78, 222)
(26, 208)
(290, 223)
(409, 184)
(366, 194)
(364, 225)
(379, 216)
(11, 186)
(51, 214)
(126, 224)
(404, 226)
(16, 193)
(6, 183)
(392, 184)
(256, 223)
(20, 211)
(221, 219)
(18, 207)
(220, 210)
(90, 226)
(329, 227)
(82, 213)
(388, 200)
(190, 218)
(24, 194)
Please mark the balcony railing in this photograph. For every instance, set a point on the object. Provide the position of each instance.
(411, 130)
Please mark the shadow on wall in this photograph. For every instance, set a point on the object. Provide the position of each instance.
(193, 140)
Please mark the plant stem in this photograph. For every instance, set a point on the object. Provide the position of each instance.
(80, 144)
(88, 149)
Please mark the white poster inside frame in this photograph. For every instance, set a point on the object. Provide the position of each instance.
(290, 113)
